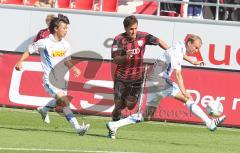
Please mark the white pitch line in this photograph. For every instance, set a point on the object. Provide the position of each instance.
(61, 150)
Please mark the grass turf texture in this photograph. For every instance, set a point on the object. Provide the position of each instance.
(22, 131)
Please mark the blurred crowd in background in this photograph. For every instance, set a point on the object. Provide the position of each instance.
(220, 10)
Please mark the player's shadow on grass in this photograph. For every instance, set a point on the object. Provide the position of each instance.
(49, 130)
(97, 135)
(159, 141)
(35, 129)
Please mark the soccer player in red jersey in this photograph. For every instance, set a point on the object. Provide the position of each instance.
(160, 85)
(44, 33)
(127, 53)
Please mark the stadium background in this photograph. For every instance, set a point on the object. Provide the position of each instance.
(90, 36)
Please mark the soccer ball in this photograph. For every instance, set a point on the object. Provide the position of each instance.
(214, 108)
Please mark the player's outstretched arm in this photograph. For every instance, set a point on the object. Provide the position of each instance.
(163, 45)
(187, 58)
(200, 63)
(24, 56)
(179, 81)
(76, 71)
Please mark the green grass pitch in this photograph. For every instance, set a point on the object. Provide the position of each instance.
(22, 131)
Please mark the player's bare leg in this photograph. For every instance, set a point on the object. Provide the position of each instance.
(116, 113)
(43, 111)
(129, 99)
(197, 111)
(131, 102)
(63, 101)
(114, 125)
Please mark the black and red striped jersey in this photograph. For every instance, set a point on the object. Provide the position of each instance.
(133, 68)
(44, 33)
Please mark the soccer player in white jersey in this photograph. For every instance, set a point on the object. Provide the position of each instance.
(160, 86)
(55, 60)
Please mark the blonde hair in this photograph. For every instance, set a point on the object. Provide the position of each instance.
(49, 18)
(192, 37)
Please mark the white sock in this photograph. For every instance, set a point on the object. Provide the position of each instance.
(74, 122)
(70, 117)
(134, 118)
(50, 105)
(197, 111)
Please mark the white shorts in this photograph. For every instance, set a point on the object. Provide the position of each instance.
(53, 91)
(159, 90)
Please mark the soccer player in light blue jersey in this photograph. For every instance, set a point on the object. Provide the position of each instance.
(55, 58)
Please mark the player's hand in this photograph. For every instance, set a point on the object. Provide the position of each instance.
(18, 66)
(186, 95)
(76, 72)
(200, 63)
(128, 55)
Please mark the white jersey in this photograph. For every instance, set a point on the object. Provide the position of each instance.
(159, 82)
(171, 60)
(53, 54)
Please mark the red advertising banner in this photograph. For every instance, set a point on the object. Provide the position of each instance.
(205, 86)
(92, 92)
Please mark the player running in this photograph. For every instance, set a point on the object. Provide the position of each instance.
(55, 58)
(160, 86)
(127, 53)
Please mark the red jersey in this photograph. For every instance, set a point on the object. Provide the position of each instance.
(44, 33)
(133, 68)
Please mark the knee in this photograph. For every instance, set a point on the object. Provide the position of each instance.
(131, 102)
(131, 106)
(62, 101)
(119, 104)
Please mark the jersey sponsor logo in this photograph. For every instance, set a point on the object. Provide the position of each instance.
(114, 48)
(140, 43)
(58, 53)
(134, 51)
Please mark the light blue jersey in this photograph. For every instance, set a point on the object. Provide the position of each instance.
(53, 53)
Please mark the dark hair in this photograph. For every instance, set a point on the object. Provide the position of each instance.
(129, 21)
(56, 21)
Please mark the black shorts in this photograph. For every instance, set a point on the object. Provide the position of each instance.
(124, 89)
